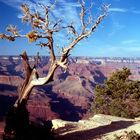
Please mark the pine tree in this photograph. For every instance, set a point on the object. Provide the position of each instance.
(119, 96)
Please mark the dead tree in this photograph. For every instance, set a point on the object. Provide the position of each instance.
(43, 28)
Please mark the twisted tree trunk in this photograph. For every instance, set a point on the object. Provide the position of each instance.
(43, 28)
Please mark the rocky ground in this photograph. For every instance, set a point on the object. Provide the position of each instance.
(99, 127)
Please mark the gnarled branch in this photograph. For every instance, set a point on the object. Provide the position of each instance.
(44, 29)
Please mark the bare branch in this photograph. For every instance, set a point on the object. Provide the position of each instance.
(27, 68)
(88, 9)
(89, 21)
(59, 20)
(65, 52)
(43, 28)
(47, 79)
(50, 45)
(37, 16)
(42, 45)
(99, 19)
(63, 64)
(10, 37)
(47, 17)
(37, 24)
(73, 29)
(13, 29)
(28, 71)
(27, 88)
(25, 9)
(82, 15)
(27, 16)
(36, 60)
(56, 24)
(32, 36)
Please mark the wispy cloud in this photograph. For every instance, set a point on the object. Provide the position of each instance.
(120, 50)
(122, 10)
(133, 49)
(129, 41)
(116, 27)
(67, 11)
(136, 11)
(62, 9)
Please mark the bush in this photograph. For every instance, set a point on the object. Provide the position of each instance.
(119, 96)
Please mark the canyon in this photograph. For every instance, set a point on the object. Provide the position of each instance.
(71, 93)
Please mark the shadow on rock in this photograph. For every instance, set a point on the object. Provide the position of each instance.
(5, 103)
(61, 105)
(96, 132)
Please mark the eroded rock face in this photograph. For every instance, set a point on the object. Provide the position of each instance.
(71, 93)
(10, 80)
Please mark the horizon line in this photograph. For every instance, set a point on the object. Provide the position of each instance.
(76, 56)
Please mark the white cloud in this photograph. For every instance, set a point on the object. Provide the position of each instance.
(122, 10)
(67, 11)
(61, 9)
(130, 41)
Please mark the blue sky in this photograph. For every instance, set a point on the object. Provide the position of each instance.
(117, 36)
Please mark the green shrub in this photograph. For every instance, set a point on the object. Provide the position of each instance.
(119, 96)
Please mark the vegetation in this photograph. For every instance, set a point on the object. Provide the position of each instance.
(119, 96)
